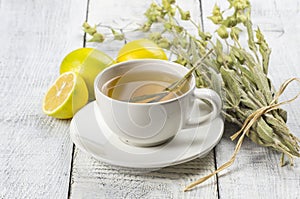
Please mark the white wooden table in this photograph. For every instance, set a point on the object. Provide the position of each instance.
(37, 157)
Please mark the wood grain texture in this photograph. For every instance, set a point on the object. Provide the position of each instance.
(35, 150)
(93, 179)
(256, 172)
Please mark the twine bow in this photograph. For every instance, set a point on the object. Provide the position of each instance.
(252, 118)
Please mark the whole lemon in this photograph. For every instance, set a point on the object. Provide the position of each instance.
(87, 62)
(141, 49)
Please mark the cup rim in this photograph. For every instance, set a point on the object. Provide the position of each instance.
(98, 90)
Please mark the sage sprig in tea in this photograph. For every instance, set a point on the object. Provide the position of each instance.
(155, 97)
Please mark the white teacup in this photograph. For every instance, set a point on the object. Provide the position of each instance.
(150, 124)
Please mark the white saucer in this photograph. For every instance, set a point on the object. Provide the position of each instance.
(90, 134)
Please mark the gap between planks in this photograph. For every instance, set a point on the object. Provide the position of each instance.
(73, 145)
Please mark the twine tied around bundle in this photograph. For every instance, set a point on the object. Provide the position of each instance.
(251, 119)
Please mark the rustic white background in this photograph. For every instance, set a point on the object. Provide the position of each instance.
(37, 158)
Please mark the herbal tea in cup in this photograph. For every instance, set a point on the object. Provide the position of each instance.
(119, 91)
(134, 84)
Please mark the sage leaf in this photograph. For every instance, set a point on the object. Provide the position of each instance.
(262, 83)
(264, 131)
(231, 82)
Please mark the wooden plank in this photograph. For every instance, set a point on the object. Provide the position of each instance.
(256, 172)
(93, 179)
(35, 150)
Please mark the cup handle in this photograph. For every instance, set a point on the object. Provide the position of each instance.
(213, 98)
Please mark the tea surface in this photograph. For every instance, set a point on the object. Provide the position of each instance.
(128, 86)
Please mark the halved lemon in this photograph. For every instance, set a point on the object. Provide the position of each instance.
(141, 49)
(66, 96)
